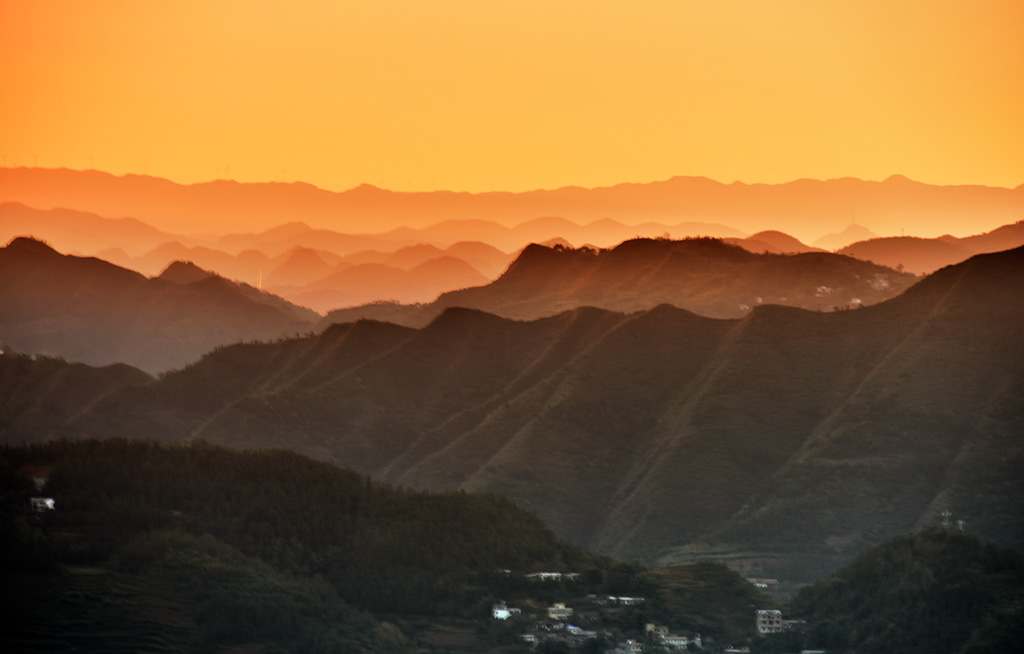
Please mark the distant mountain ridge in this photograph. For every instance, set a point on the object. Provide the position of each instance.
(828, 205)
(88, 310)
(924, 255)
(799, 437)
(706, 276)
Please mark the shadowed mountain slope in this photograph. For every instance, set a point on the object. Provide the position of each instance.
(787, 433)
(88, 310)
(705, 276)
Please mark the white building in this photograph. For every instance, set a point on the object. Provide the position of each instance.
(769, 622)
(43, 504)
(501, 612)
(559, 611)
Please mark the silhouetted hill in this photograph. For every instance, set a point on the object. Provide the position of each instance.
(489, 260)
(275, 242)
(40, 393)
(794, 207)
(88, 310)
(245, 266)
(772, 241)
(788, 440)
(852, 233)
(915, 255)
(77, 231)
(353, 285)
(933, 592)
(184, 272)
(926, 255)
(300, 266)
(705, 276)
(1003, 238)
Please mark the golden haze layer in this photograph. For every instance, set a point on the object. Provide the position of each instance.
(474, 96)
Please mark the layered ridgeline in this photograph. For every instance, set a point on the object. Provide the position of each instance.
(925, 255)
(151, 548)
(830, 205)
(703, 275)
(784, 438)
(85, 309)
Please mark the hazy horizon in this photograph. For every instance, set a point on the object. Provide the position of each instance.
(461, 96)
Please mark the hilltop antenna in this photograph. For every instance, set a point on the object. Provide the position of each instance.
(35, 160)
(259, 284)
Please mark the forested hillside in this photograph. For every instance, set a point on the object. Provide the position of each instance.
(207, 548)
(934, 592)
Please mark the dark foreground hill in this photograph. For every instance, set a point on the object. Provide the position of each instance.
(85, 309)
(787, 439)
(703, 275)
(934, 592)
(196, 548)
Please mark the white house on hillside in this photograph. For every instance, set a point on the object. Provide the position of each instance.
(769, 622)
(501, 612)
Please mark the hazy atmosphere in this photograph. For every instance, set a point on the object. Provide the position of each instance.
(512, 327)
(516, 96)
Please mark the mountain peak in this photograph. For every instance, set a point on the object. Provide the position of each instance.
(184, 272)
(29, 245)
(898, 179)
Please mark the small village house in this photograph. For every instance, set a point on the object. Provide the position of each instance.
(502, 612)
(769, 621)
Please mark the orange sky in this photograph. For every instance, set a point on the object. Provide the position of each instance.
(516, 95)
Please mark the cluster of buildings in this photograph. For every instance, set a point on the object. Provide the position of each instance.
(556, 626)
(671, 640)
(555, 622)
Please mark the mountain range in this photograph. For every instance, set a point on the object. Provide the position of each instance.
(89, 310)
(830, 205)
(798, 437)
(706, 276)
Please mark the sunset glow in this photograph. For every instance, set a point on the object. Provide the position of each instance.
(478, 96)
